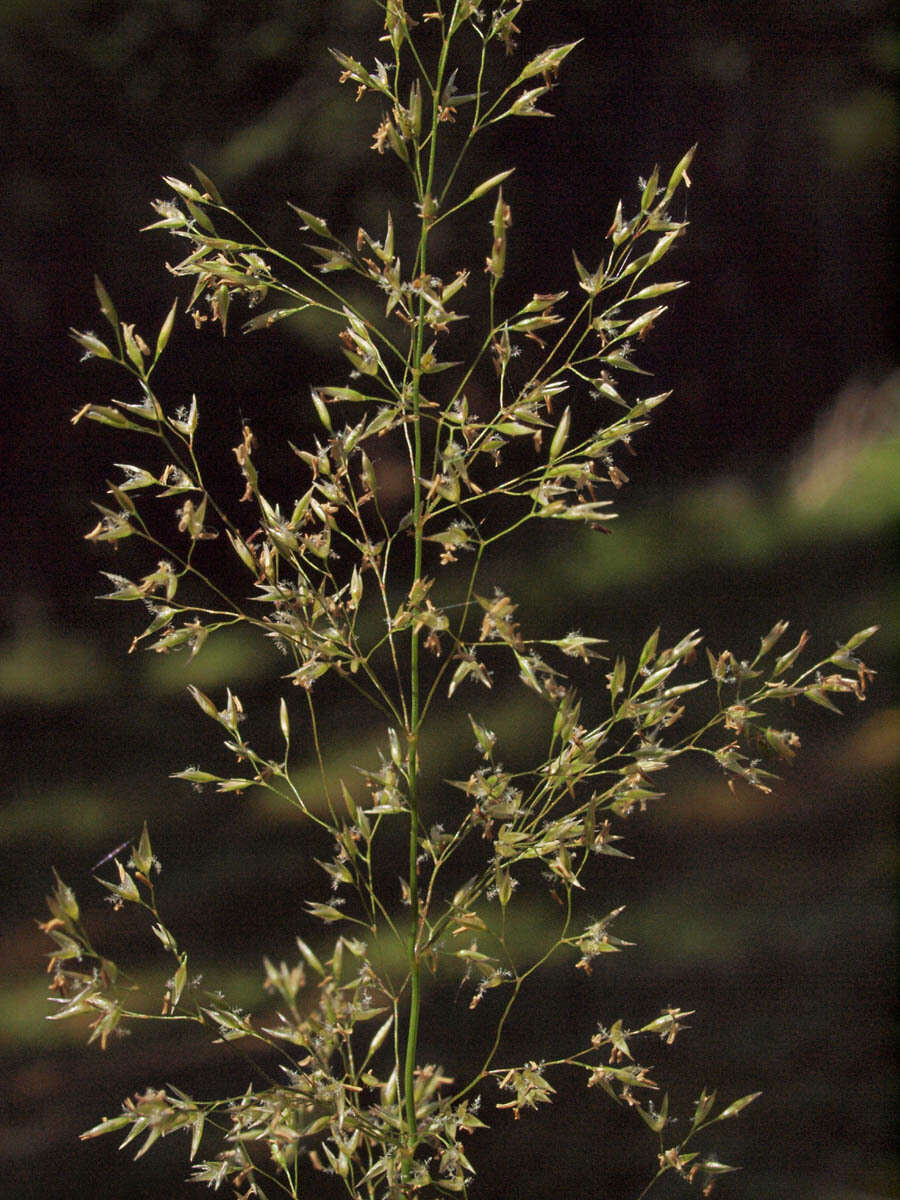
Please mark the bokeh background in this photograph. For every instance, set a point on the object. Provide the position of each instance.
(768, 487)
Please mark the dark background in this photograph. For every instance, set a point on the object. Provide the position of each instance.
(767, 488)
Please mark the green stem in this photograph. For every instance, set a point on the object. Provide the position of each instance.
(415, 994)
(412, 949)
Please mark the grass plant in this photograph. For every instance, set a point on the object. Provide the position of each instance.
(501, 417)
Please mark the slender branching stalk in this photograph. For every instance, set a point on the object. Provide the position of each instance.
(520, 427)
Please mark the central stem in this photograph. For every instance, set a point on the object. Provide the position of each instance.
(412, 761)
(426, 202)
